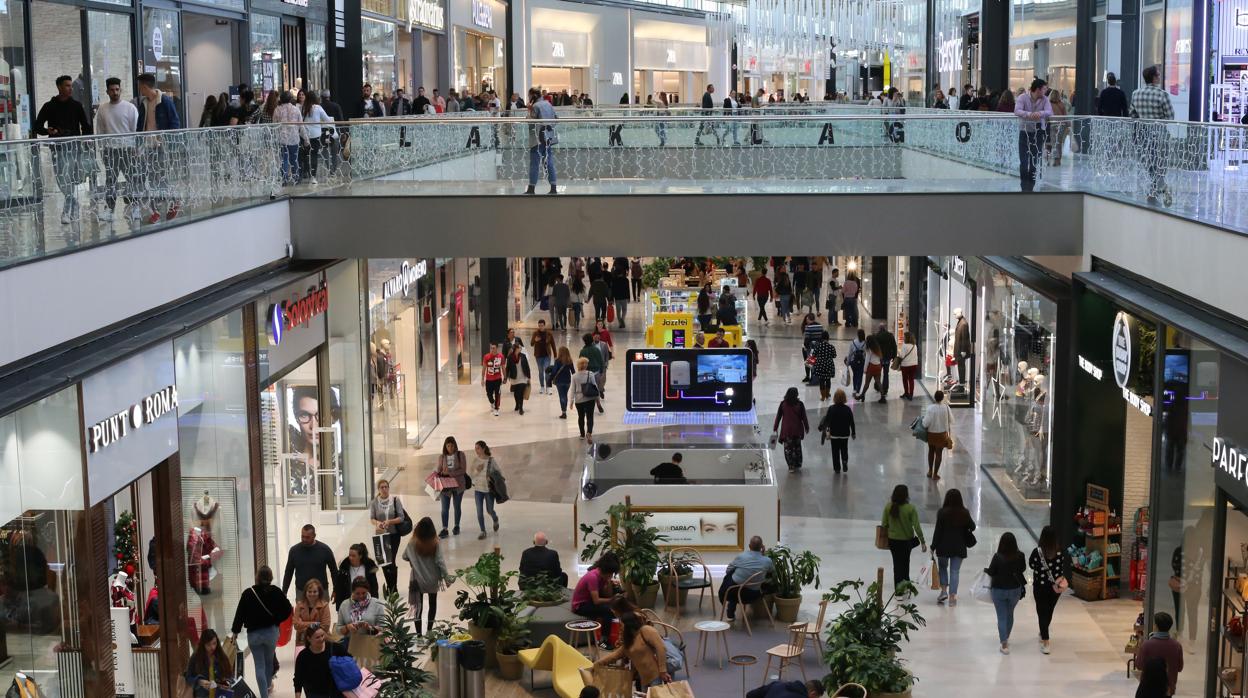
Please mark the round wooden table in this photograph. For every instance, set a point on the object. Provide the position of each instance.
(716, 628)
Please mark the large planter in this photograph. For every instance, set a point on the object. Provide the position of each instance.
(906, 694)
(485, 635)
(509, 666)
(682, 595)
(786, 609)
(644, 597)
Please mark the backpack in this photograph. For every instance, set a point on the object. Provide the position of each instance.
(346, 673)
(857, 355)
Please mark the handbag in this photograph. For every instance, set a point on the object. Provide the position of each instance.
(981, 588)
(528, 390)
(675, 689)
(441, 482)
(935, 574)
(895, 364)
(403, 527)
(284, 630)
(845, 379)
(969, 537)
(365, 648)
(345, 672)
(881, 537)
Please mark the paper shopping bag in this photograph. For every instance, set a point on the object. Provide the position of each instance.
(935, 575)
(611, 682)
(675, 689)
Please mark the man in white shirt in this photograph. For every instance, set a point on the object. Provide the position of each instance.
(116, 116)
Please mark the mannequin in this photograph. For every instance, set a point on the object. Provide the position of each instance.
(386, 368)
(1022, 413)
(1022, 386)
(961, 344)
(202, 576)
(122, 596)
(1037, 431)
(374, 378)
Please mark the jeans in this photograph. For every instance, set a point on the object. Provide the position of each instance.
(585, 416)
(542, 363)
(67, 168)
(263, 645)
(578, 310)
(416, 600)
(907, 380)
(1030, 150)
(621, 310)
(636, 289)
(840, 453)
(485, 502)
(563, 396)
(786, 306)
(857, 370)
(950, 569)
(850, 306)
(559, 317)
(391, 571)
(900, 550)
(333, 155)
(448, 496)
(116, 162)
(1046, 603)
(884, 377)
(1004, 601)
(290, 163)
(748, 596)
(536, 154)
(599, 612)
(600, 309)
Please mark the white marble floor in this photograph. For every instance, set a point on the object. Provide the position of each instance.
(955, 654)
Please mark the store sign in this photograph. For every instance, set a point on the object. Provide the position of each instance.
(482, 14)
(1121, 349)
(299, 3)
(557, 50)
(289, 314)
(400, 283)
(617, 78)
(425, 12)
(666, 54)
(705, 528)
(1241, 18)
(123, 655)
(949, 52)
(1022, 55)
(1230, 459)
(671, 56)
(1090, 368)
(959, 267)
(116, 427)
(158, 43)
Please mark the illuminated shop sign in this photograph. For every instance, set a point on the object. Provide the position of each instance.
(298, 311)
(400, 283)
(482, 14)
(116, 427)
(425, 12)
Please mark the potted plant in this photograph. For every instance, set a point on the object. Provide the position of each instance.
(683, 564)
(512, 636)
(542, 591)
(863, 642)
(635, 542)
(397, 675)
(484, 605)
(791, 571)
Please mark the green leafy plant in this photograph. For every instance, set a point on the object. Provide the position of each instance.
(792, 571)
(397, 675)
(513, 634)
(862, 642)
(487, 600)
(442, 630)
(654, 270)
(759, 263)
(683, 562)
(631, 537)
(540, 588)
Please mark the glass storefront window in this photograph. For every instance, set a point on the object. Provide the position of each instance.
(41, 516)
(290, 413)
(216, 475)
(318, 61)
(378, 44)
(348, 381)
(949, 333)
(162, 51)
(16, 110)
(55, 27)
(110, 53)
(479, 62)
(266, 53)
(1183, 521)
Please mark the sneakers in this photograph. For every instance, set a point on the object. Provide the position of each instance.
(530, 190)
(494, 411)
(563, 416)
(455, 531)
(953, 601)
(553, 190)
(173, 213)
(1005, 648)
(443, 534)
(481, 536)
(495, 523)
(1044, 646)
(942, 598)
(154, 218)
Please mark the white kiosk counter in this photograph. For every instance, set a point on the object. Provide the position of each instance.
(730, 493)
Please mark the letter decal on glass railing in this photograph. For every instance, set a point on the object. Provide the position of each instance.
(825, 136)
(963, 131)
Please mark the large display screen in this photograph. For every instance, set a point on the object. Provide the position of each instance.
(689, 380)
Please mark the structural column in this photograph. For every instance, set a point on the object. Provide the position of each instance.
(171, 567)
(346, 53)
(493, 300)
(994, 40)
(879, 288)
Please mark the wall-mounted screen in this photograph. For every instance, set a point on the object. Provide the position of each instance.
(689, 380)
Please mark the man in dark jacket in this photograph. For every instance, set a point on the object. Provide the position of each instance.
(366, 107)
(788, 689)
(1112, 101)
(400, 105)
(61, 117)
(620, 291)
(888, 352)
(309, 559)
(157, 112)
(421, 102)
(708, 107)
(334, 110)
(541, 560)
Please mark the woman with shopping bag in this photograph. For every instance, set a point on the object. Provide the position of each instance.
(901, 523)
(209, 668)
(950, 540)
(450, 473)
(938, 421)
(1048, 564)
(643, 647)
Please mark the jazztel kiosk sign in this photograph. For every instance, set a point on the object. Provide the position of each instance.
(287, 315)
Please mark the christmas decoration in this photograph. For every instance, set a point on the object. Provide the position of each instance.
(125, 546)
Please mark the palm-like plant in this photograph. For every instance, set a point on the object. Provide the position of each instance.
(487, 600)
(397, 675)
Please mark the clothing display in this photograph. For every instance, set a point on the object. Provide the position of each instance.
(962, 348)
(206, 507)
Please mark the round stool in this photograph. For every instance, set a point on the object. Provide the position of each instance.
(743, 660)
(578, 629)
(719, 629)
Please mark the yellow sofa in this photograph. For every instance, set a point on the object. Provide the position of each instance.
(562, 660)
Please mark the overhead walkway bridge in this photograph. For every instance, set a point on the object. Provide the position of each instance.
(1159, 196)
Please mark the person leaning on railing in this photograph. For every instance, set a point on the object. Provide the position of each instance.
(1034, 111)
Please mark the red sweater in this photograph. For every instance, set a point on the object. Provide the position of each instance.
(1168, 650)
(762, 287)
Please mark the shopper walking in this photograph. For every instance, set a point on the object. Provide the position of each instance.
(938, 421)
(888, 354)
(312, 607)
(954, 533)
(838, 428)
(603, 343)
(584, 387)
(261, 609)
(543, 342)
(823, 369)
(908, 361)
(452, 463)
(62, 117)
(1008, 585)
(429, 573)
(901, 521)
(387, 514)
(812, 332)
(1154, 681)
(579, 296)
(637, 272)
(1152, 103)
(560, 299)
(762, 294)
(542, 140)
(784, 292)
(113, 117)
(704, 308)
(317, 131)
(600, 294)
(849, 300)
(312, 672)
(620, 291)
(791, 426)
(1048, 563)
(856, 362)
(308, 559)
(1160, 646)
(479, 471)
(561, 377)
(874, 367)
(492, 376)
(355, 566)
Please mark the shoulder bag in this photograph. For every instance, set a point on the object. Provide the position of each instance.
(403, 527)
(497, 483)
(881, 537)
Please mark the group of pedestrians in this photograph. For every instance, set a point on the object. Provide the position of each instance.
(608, 285)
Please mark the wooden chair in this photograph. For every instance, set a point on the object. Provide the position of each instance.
(814, 629)
(667, 631)
(789, 653)
(671, 593)
(742, 608)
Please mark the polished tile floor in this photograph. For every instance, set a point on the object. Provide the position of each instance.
(834, 516)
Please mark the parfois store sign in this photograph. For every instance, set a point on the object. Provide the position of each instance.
(296, 312)
(1230, 464)
(116, 427)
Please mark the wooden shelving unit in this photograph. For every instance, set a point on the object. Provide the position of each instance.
(1232, 669)
(1104, 534)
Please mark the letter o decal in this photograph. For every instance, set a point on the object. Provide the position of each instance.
(963, 132)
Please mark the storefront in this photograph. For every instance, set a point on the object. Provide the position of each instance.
(948, 335)
(575, 46)
(671, 57)
(405, 46)
(1042, 44)
(478, 45)
(1228, 95)
(288, 45)
(561, 62)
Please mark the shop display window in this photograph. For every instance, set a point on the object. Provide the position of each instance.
(18, 110)
(56, 27)
(266, 53)
(949, 334)
(216, 479)
(162, 51)
(378, 44)
(349, 381)
(41, 519)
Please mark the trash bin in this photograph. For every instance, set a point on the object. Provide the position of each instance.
(448, 669)
(472, 669)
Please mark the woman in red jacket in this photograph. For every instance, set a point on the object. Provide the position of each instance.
(792, 426)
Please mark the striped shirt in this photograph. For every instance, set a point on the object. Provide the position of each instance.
(811, 334)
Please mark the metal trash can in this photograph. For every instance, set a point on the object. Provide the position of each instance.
(448, 669)
(472, 669)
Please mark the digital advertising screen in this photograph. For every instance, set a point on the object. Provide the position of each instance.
(689, 380)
